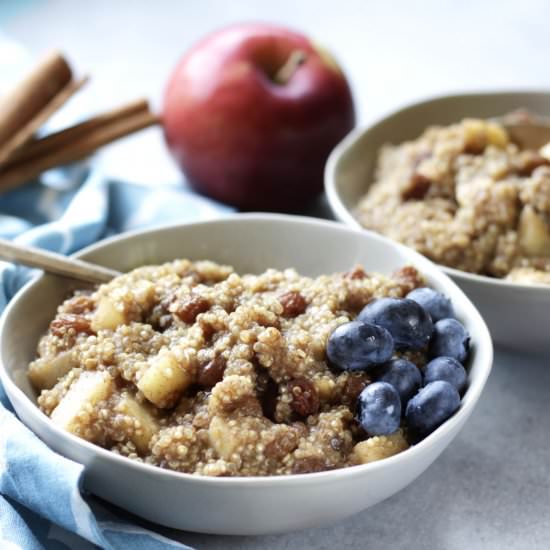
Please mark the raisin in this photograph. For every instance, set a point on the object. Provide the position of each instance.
(189, 307)
(79, 304)
(305, 399)
(357, 273)
(309, 465)
(67, 321)
(417, 188)
(293, 303)
(355, 384)
(408, 277)
(336, 443)
(212, 372)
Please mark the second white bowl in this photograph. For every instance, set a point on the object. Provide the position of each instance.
(517, 314)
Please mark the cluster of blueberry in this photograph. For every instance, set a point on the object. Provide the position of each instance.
(423, 321)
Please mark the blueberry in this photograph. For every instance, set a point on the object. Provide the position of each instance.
(408, 323)
(404, 376)
(450, 339)
(379, 409)
(430, 407)
(434, 302)
(448, 369)
(359, 346)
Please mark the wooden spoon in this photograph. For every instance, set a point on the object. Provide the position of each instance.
(526, 129)
(55, 263)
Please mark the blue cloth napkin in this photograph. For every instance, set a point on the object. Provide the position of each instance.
(41, 504)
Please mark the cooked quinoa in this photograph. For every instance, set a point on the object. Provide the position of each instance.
(192, 367)
(467, 197)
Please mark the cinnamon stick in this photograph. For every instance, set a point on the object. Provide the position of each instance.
(69, 150)
(25, 133)
(63, 138)
(39, 87)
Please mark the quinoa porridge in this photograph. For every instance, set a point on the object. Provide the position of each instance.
(195, 368)
(467, 197)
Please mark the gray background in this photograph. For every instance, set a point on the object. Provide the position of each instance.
(490, 488)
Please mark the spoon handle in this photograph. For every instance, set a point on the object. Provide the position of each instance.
(55, 263)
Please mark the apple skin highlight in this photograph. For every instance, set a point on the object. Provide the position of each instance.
(243, 138)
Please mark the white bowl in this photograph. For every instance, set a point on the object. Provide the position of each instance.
(517, 314)
(258, 505)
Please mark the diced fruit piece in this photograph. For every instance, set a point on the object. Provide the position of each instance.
(379, 447)
(496, 135)
(408, 323)
(544, 151)
(144, 293)
(480, 133)
(450, 339)
(146, 424)
(533, 233)
(430, 407)
(404, 376)
(222, 438)
(90, 388)
(325, 389)
(447, 369)
(474, 136)
(164, 380)
(359, 346)
(379, 409)
(107, 316)
(434, 302)
(45, 372)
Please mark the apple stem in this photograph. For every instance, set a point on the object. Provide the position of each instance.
(295, 59)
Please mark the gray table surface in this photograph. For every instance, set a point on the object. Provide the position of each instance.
(491, 487)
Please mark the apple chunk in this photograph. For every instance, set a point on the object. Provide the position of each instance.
(91, 388)
(164, 380)
(46, 371)
(107, 316)
(145, 424)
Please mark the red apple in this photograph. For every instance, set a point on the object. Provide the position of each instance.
(251, 113)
